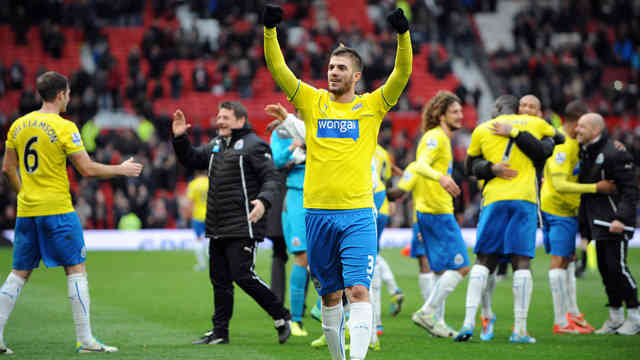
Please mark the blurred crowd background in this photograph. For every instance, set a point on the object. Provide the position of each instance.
(132, 63)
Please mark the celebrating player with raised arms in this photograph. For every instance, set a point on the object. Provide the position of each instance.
(342, 130)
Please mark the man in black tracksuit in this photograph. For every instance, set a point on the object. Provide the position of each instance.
(243, 182)
(599, 160)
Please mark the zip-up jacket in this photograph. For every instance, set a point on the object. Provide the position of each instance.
(599, 161)
(240, 170)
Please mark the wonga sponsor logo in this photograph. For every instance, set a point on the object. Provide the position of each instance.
(338, 129)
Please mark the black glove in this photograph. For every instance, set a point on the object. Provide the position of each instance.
(398, 21)
(271, 15)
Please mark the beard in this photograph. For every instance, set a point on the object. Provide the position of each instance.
(339, 91)
(452, 126)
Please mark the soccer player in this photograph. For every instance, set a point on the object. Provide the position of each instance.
(342, 130)
(197, 193)
(446, 250)
(559, 202)
(508, 220)
(47, 227)
(287, 145)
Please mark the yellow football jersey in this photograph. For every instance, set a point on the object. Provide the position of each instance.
(434, 149)
(43, 142)
(564, 162)
(384, 209)
(197, 192)
(382, 168)
(499, 148)
(341, 140)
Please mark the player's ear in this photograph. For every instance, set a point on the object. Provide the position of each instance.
(357, 76)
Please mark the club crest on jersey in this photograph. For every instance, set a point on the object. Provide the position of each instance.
(338, 129)
(432, 143)
(239, 144)
(600, 159)
(561, 157)
(216, 148)
(76, 139)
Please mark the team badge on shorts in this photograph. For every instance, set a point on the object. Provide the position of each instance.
(458, 260)
(295, 241)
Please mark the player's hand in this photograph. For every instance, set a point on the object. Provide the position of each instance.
(448, 184)
(616, 227)
(179, 124)
(295, 144)
(503, 170)
(392, 208)
(500, 128)
(130, 168)
(277, 111)
(258, 211)
(271, 15)
(274, 124)
(398, 21)
(606, 187)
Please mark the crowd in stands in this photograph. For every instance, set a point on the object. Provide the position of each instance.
(227, 34)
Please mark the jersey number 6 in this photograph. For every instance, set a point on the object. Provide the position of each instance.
(28, 151)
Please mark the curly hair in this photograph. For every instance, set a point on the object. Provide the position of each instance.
(436, 107)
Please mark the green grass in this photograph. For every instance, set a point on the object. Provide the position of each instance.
(152, 305)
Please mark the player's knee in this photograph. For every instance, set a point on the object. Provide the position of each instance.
(520, 262)
(358, 293)
(332, 299)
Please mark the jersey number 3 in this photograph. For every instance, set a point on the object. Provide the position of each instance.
(29, 152)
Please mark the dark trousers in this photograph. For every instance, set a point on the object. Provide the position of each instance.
(233, 260)
(618, 282)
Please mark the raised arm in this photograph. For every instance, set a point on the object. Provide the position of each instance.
(393, 87)
(281, 73)
(87, 167)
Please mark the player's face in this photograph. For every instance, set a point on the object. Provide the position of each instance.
(584, 131)
(529, 105)
(227, 120)
(340, 75)
(570, 127)
(453, 116)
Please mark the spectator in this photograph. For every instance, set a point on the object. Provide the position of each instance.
(177, 82)
(16, 75)
(201, 78)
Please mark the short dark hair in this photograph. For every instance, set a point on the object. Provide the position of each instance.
(239, 111)
(574, 110)
(349, 52)
(50, 84)
(505, 105)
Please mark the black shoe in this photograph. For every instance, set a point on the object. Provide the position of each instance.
(209, 338)
(284, 330)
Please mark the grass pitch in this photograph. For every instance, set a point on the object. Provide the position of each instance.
(152, 305)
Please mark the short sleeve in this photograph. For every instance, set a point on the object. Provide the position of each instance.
(560, 161)
(71, 139)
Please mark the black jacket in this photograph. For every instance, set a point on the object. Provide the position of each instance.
(601, 160)
(240, 170)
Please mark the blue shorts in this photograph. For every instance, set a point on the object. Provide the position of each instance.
(293, 227)
(342, 248)
(508, 227)
(56, 239)
(559, 234)
(443, 241)
(381, 223)
(378, 198)
(198, 227)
